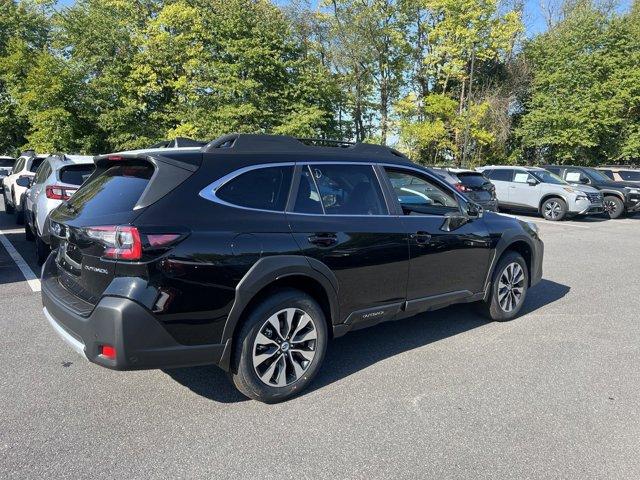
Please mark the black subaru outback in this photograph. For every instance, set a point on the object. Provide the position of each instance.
(253, 251)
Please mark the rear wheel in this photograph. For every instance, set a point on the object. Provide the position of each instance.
(42, 250)
(8, 208)
(554, 209)
(508, 288)
(28, 233)
(280, 347)
(613, 206)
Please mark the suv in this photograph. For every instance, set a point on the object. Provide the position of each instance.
(232, 255)
(622, 174)
(473, 184)
(6, 164)
(536, 189)
(619, 197)
(56, 180)
(15, 184)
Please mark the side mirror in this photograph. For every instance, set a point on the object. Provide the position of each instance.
(532, 182)
(24, 182)
(584, 180)
(474, 211)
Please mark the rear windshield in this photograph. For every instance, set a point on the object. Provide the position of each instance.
(472, 179)
(76, 174)
(35, 164)
(6, 162)
(115, 190)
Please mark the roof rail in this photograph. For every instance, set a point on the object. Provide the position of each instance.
(179, 142)
(243, 142)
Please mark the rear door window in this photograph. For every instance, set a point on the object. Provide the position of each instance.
(115, 190)
(348, 189)
(265, 188)
(76, 174)
(501, 174)
(630, 175)
(35, 163)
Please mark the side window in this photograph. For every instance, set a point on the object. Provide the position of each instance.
(262, 188)
(42, 173)
(609, 174)
(575, 176)
(521, 177)
(35, 163)
(19, 165)
(308, 198)
(343, 190)
(501, 174)
(419, 195)
(630, 175)
(554, 170)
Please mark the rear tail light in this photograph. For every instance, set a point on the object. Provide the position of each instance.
(123, 242)
(58, 192)
(108, 351)
(462, 188)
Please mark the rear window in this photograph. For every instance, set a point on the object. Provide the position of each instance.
(35, 164)
(76, 174)
(263, 188)
(115, 190)
(472, 179)
(630, 175)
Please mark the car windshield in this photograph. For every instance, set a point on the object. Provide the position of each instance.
(546, 176)
(6, 162)
(597, 175)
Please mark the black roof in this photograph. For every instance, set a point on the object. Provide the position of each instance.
(252, 143)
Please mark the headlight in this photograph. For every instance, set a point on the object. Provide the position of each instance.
(533, 227)
(582, 197)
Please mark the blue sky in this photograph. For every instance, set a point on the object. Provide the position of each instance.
(534, 19)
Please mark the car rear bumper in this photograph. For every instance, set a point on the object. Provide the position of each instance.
(139, 339)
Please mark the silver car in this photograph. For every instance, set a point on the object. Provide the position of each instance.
(55, 181)
(536, 189)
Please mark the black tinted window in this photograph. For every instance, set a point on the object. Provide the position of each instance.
(115, 190)
(307, 198)
(6, 162)
(349, 189)
(76, 174)
(501, 174)
(630, 175)
(609, 174)
(35, 163)
(263, 188)
(472, 179)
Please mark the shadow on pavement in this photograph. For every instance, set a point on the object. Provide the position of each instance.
(363, 348)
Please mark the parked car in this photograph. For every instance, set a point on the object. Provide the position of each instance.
(6, 165)
(536, 189)
(231, 255)
(622, 174)
(15, 184)
(619, 197)
(473, 184)
(57, 178)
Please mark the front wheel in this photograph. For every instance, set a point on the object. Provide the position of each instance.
(509, 287)
(554, 209)
(613, 206)
(19, 214)
(8, 208)
(280, 347)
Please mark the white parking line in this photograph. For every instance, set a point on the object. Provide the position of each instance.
(30, 277)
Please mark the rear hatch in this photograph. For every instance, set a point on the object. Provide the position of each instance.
(476, 186)
(94, 230)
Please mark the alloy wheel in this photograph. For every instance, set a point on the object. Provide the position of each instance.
(610, 207)
(552, 210)
(285, 347)
(511, 287)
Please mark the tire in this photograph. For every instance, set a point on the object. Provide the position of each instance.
(7, 207)
(496, 307)
(28, 233)
(613, 206)
(19, 214)
(42, 250)
(279, 383)
(554, 209)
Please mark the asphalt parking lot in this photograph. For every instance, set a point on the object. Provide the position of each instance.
(553, 394)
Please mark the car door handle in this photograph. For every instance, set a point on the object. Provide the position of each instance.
(323, 239)
(421, 237)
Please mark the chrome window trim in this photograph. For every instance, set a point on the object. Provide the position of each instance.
(209, 192)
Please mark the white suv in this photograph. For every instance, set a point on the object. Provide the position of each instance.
(56, 180)
(536, 189)
(15, 184)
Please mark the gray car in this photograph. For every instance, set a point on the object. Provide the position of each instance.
(536, 189)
